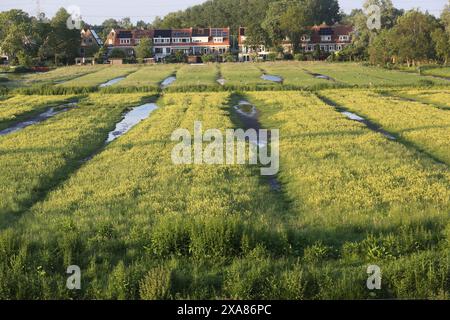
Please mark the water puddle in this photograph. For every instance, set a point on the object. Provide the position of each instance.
(168, 81)
(370, 125)
(132, 118)
(221, 81)
(319, 76)
(111, 82)
(39, 118)
(249, 114)
(272, 78)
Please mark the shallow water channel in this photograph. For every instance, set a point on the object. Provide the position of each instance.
(168, 81)
(248, 114)
(272, 78)
(111, 82)
(130, 119)
(51, 112)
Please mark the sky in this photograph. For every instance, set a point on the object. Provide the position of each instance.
(95, 12)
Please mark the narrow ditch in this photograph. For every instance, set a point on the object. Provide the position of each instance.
(168, 81)
(51, 112)
(129, 120)
(111, 82)
(355, 117)
(249, 116)
(412, 99)
(319, 76)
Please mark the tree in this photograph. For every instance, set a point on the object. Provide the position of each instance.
(16, 35)
(381, 51)
(64, 41)
(117, 54)
(442, 44)
(412, 36)
(144, 49)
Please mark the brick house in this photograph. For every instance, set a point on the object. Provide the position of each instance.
(328, 38)
(191, 41)
(126, 40)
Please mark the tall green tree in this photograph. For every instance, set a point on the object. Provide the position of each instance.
(144, 49)
(16, 35)
(63, 40)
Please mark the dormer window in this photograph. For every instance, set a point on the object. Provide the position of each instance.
(344, 38)
(125, 41)
(325, 38)
(305, 38)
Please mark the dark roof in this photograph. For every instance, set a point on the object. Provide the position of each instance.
(200, 32)
(180, 33)
(163, 33)
(125, 34)
(326, 31)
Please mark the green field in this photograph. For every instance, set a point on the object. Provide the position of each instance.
(99, 77)
(358, 75)
(149, 76)
(141, 227)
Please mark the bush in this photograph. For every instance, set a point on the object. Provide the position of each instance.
(208, 58)
(117, 54)
(272, 56)
(300, 57)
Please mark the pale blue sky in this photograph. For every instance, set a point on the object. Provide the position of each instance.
(96, 11)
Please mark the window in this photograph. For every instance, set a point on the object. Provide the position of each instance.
(306, 38)
(325, 38)
(125, 41)
(181, 40)
(344, 38)
(338, 47)
(162, 40)
(218, 39)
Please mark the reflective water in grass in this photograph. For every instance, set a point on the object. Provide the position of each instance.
(39, 118)
(370, 125)
(221, 81)
(168, 81)
(132, 118)
(111, 82)
(273, 78)
(249, 114)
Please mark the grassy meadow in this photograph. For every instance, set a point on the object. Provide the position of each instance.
(141, 227)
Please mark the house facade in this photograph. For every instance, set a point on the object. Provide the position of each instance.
(90, 42)
(246, 53)
(327, 38)
(324, 37)
(190, 41)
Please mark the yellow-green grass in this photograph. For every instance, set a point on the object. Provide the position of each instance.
(340, 174)
(37, 157)
(422, 125)
(292, 74)
(439, 72)
(358, 75)
(439, 97)
(151, 76)
(102, 76)
(132, 209)
(61, 74)
(196, 75)
(243, 74)
(21, 107)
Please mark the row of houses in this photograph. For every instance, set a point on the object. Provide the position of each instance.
(195, 42)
